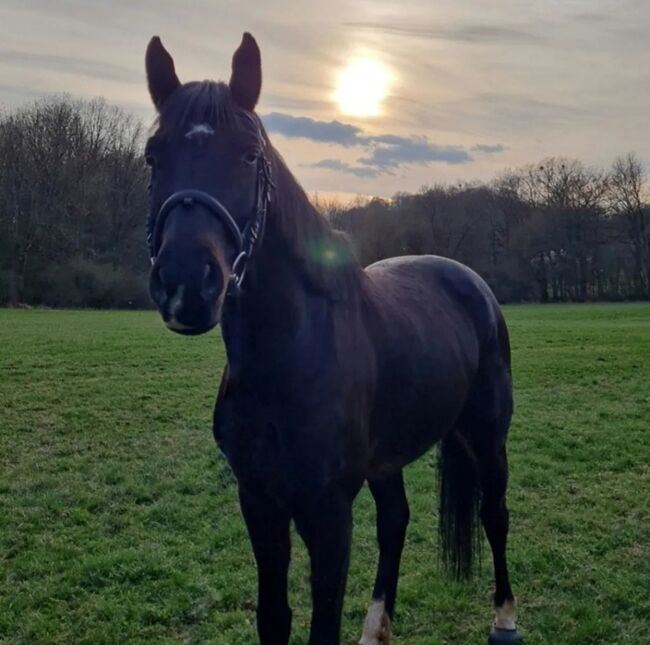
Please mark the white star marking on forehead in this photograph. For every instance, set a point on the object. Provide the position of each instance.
(199, 129)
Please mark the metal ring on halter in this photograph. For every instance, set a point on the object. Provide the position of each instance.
(238, 270)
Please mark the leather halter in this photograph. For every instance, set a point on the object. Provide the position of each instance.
(244, 240)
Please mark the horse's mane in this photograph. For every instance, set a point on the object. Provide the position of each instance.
(324, 256)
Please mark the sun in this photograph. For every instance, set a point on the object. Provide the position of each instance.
(362, 86)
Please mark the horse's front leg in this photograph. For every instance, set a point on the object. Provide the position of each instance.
(268, 528)
(325, 525)
(392, 520)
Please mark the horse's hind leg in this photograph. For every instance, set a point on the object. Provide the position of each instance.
(495, 519)
(392, 520)
(485, 428)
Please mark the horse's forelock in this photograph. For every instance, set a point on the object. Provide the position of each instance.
(198, 102)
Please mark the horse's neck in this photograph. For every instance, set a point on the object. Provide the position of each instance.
(263, 324)
(284, 313)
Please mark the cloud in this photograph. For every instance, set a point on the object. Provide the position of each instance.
(466, 33)
(489, 149)
(385, 152)
(71, 65)
(294, 103)
(591, 17)
(302, 127)
(390, 151)
(342, 166)
(19, 92)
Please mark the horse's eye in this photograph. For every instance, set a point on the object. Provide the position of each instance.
(250, 157)
(150, 160)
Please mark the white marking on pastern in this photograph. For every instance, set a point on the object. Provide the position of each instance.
(376, 628)
(506, 615)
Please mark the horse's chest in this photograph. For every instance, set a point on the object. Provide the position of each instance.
(272, 453)
(246, 435)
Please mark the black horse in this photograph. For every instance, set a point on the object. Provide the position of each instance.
(336, 375)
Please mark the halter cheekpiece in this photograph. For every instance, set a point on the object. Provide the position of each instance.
(245, 240)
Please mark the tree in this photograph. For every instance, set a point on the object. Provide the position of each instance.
(72, 191)
(627, 184)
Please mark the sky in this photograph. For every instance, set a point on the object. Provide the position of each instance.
(473, 87)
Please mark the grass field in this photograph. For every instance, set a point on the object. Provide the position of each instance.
(119, 520)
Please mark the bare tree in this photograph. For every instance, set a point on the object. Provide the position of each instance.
(627, 184)
(72, 186)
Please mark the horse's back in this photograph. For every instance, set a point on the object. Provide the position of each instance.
(435, 324)
(433, 281)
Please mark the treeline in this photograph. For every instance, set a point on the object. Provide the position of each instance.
(73, 204)
(554, 231)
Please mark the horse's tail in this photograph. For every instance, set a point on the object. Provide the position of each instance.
(458, 484)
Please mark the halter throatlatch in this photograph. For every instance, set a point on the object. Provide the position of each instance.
(244, 240)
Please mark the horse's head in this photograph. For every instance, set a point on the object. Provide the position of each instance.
(208, 183)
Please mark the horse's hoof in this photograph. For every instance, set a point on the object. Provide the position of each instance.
(504, 637)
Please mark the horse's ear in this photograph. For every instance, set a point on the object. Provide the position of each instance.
(161, 75)
(246, 78)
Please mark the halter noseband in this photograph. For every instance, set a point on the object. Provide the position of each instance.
(244, 240)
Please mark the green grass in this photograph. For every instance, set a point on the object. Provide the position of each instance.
(119, 520)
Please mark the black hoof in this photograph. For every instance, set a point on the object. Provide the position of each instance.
(504, 637)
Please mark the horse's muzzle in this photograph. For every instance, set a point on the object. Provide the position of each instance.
(189, 304)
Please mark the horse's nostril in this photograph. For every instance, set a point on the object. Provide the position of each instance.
(211, 282)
